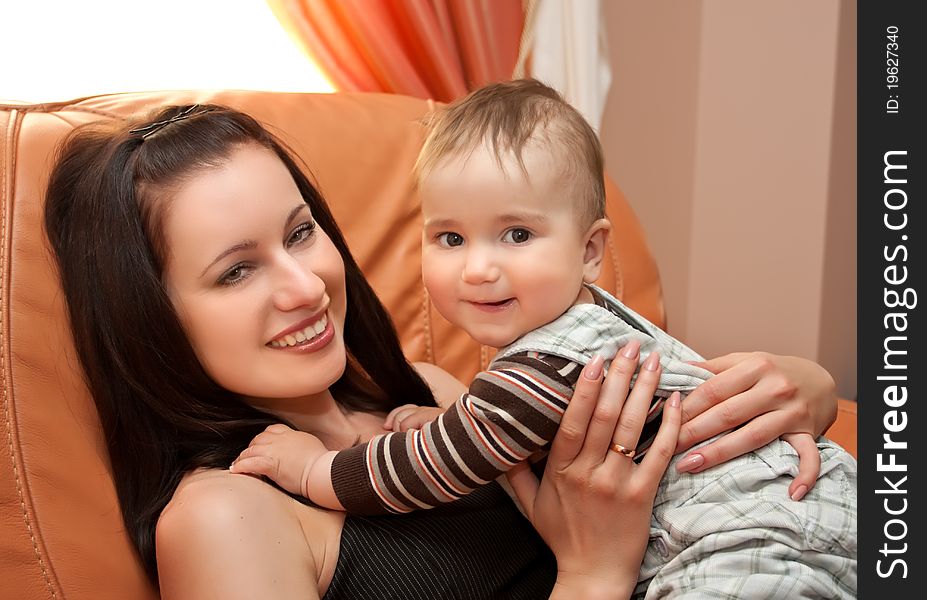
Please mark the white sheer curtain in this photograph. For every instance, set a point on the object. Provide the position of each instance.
(564, 44)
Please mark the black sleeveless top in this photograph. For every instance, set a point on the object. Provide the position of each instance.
(478, 547)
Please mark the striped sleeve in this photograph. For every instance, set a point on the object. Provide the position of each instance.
(508, 414)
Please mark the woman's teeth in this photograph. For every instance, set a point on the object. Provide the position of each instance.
(298, 337)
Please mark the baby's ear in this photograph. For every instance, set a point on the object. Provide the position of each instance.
(596, 240)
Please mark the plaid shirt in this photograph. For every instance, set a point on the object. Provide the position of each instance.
(586, 330)
(731, 532)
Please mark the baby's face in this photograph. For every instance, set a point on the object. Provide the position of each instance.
(501, 254)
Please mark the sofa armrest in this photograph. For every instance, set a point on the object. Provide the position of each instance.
(843, 431)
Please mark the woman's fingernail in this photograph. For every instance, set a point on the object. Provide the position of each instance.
(631, 349)
(690, 462)
(652, 362)
(594, 369)
(799, 493)
(674, 399)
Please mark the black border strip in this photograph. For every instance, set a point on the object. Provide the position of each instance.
(891, 263)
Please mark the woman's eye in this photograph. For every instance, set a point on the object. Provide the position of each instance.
(450, 239)
(516, 236)
(235, 275)
(302, 233)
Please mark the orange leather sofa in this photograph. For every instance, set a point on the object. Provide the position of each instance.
(61, 535)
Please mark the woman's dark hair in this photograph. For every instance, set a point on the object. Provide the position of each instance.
(161, 414)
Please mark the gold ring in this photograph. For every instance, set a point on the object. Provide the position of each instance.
(616, 447)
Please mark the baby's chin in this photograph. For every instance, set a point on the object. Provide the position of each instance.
(493, 339)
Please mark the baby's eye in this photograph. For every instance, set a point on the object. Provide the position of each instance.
(516, 235)
(450, 239)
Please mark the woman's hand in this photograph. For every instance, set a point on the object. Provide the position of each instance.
(593, 506)
(772, 396)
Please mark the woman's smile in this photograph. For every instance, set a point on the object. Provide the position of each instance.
(309, 338)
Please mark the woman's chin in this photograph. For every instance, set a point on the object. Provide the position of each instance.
(301, 382)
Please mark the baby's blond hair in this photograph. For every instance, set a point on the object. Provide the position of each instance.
(509, 116)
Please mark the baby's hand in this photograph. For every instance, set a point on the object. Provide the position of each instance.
(282, 454)
(411, 416)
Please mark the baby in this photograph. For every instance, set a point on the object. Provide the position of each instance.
(513, 199)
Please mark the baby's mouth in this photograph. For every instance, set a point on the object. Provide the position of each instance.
(499, 303)
(493, 306)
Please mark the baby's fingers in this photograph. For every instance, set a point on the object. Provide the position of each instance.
(413, 421)
(256, 465)
(391, 417)
(270, 435)
(809, 463)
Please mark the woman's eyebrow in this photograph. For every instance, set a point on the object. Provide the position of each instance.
(296, 210)
(251, 244)
(243, 245)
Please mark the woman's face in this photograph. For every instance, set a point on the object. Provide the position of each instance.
(258, 286)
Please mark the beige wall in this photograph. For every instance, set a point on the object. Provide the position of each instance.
(731, 127)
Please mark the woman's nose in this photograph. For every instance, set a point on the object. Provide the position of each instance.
(480, 266)
(296, 286)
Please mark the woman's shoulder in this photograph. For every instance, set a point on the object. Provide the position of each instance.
(239, 524)
(212, 496)
(211, 493)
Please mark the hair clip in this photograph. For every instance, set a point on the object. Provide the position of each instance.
(159, 125)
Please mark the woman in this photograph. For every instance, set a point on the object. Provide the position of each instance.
(223, 247)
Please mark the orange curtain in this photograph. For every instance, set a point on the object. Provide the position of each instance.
(438, 49)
